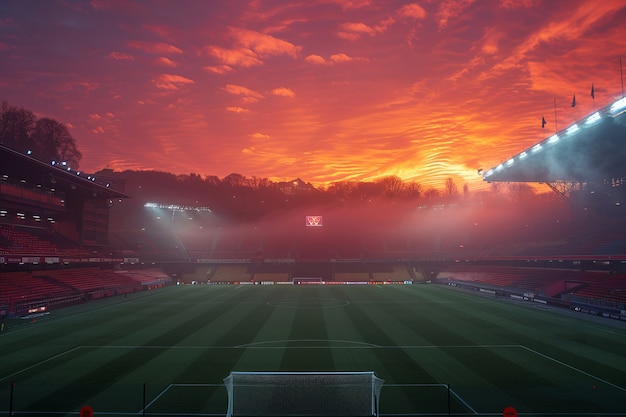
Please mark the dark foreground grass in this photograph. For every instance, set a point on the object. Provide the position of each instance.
(439, 351)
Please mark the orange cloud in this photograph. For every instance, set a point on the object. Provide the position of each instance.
(166, 62)
(258, 135)
(171, 81)
(413, 10)
(353, 31)
(262, 44)
(218, 69)
(235, 57)
(333, 59)
(283, 91)
(316, 59)
(250, 48)
(242, 91)
(120, 56)
(570, 26)
(154, 47)
(352, 4)
(449, 9)
(236, 109)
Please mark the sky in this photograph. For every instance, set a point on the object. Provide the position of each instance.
(325, 91)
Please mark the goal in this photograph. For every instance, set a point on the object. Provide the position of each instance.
(259, 394)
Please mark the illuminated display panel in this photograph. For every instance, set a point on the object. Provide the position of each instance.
(314, 221)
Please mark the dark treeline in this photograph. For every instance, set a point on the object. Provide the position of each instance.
(243, 198)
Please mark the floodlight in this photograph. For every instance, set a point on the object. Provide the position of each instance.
(572, 129)
(619, 106)
(536, 148)
(510, 162)
(523, 155)
(489, 172)
(594, 118)
(553, 138)
(499, 167)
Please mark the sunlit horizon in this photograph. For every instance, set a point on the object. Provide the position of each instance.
(340, 90)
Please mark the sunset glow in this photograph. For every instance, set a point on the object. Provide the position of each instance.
(321, 90)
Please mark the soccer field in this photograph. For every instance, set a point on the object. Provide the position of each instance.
(440, 351)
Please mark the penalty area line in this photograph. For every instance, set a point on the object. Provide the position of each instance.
(40, 363)
(164, 391)
(604, 381)
(418, 385)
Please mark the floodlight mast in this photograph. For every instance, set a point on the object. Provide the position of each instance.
(176, 207)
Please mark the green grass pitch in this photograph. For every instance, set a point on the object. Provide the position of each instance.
(178, 343)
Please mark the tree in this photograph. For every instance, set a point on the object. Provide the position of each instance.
(52, 141)
(413, 189)
(48, 139)
(235, 180)
(520, 192)
(16, 127)
(451, 190)
(392, 186)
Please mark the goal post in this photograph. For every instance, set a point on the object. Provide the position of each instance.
(278, 394)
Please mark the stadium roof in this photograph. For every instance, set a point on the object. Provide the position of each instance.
(15, 165)
(590, 150)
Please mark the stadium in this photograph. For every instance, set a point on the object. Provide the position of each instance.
(113, 304)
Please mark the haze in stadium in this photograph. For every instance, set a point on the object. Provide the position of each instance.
(325, 91)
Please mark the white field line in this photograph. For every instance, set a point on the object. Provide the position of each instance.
(40, 363)
(574, 368)
(457, 396)
(175, 385)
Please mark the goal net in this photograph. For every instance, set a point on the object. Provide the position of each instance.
(257, 394)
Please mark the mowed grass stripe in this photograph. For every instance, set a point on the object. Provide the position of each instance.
(171, 329)
(308, 325)
(377, 327)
